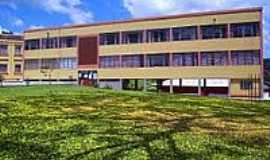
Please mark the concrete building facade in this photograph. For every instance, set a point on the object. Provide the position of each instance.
(11, 57)
(209, 53)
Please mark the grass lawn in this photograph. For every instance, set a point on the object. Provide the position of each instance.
(70, 122)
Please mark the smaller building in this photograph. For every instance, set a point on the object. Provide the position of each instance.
(11, 57)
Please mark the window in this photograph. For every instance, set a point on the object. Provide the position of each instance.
(67, 63)
(157, 60)
(31, 64)
(185, 33)
(246, 84)
(48, 43)
(109, 62)
(61, 63)
(132, 61)
(158, 35)
(49, 64)
(18, 50)
(214, 31)
(109, 38)
(132, 37)
(32, 44)
(68, 42)
(185, 59)
(18, 68)
(3, 50)
(246, 57)
(3, 68)
(245, 29)
(214, 58)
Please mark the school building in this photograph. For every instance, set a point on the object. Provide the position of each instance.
(207, 53)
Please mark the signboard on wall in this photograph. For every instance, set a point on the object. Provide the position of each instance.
(195, 83)
(191, 82)
(217, 83)
(176, 82)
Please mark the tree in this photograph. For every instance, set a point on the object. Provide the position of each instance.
(1, 79)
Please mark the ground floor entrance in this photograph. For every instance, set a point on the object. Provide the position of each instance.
(87, 78)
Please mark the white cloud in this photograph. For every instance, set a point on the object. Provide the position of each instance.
(18, 22)
(141, 8)
(72, 8)
(144, 8)
(36, 27)
(2, 29)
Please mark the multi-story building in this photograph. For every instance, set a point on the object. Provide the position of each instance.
(201, 53)
(11, 57)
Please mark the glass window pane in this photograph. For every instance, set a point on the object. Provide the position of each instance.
(132, 61)
(3, 68)
(110, 62)
(3, 50)
(157, 60)
(246, 57)
(158, 35)
(214, 58)
(185, 33)
(132, 37)
(214, 31)
(245, 29)
(109, 38)
(185, 59)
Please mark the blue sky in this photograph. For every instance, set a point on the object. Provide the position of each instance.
(19, 15)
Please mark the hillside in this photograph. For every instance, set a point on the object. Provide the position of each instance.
(70, 122)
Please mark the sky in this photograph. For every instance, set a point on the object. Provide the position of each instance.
(19, 15)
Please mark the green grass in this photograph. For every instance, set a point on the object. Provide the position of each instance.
(70, 122)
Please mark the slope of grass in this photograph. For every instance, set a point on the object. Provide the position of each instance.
(70, 122)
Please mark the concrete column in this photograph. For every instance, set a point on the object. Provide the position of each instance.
(229, 31)
(199, 32)
(145, 85)
(199, 88)
(145, 60)
(199, 58)
(171, 34)
(121, 84)
(230, 57)
(144, 36)
(120, 61)
(120, 38)
(171, 59)
(171, 85)
(40, 44)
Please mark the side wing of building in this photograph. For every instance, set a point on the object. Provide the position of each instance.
(11, 57)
